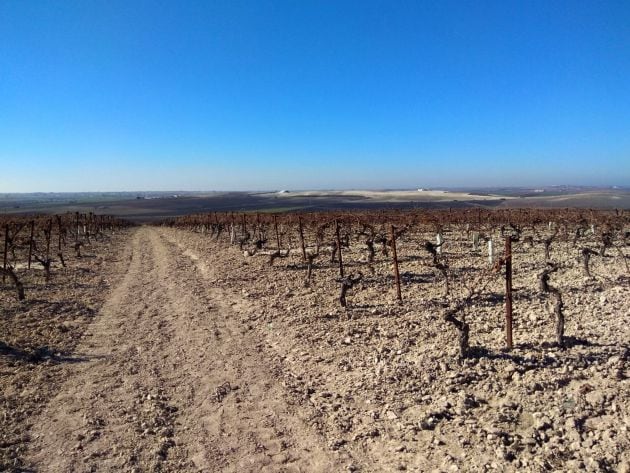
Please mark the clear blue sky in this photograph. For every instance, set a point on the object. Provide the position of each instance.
(140, 95)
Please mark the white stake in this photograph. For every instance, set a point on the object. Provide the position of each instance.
(490, 253)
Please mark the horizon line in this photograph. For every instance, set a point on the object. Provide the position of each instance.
(337, 189)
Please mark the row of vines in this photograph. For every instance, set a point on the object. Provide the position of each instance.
(43, 241)
(469, 251)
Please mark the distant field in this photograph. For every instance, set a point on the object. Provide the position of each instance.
(145, 207)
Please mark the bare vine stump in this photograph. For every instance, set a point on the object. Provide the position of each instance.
(19, 287)
(30, 244)
(463, 330)
(586, 254)
(607, 242)
(301, 228)
(395, 260)
(439, 265)
(309, 268)
(347, 283)
(370, 246)
(45, 262)
(338, 242)
(545, 287)
(547, 242)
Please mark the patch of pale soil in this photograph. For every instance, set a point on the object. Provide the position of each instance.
(173, 382)
(394, 196)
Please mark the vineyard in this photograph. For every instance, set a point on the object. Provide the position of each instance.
(468, 252)
(471, 340)
(53, 283)
(451, 340)
(44, 240)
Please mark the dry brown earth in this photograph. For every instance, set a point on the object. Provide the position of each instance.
(39, 336)
(200, 359)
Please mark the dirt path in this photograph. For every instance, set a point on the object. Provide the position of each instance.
(174, 382)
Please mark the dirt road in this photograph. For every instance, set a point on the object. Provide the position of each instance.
(173, 382)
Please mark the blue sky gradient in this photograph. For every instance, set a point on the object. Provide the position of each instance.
(138, 95)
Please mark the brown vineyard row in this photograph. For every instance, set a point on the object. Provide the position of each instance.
(34, 239)
(443, 235)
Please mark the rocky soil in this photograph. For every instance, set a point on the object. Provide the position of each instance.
(199, 358)
(39, 336)
(383, 381)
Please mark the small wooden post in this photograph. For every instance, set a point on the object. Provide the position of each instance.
(59, 236)
(395, 258)
(6, 252)
(508, 291)
(30, 244)
(48, 236)
(339, 248)
(302, 238)
(275, 224)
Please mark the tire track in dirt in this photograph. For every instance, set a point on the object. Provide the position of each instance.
(241, 397)
(173, 383)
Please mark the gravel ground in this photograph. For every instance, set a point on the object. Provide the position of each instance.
(168, 351)
(384, 383)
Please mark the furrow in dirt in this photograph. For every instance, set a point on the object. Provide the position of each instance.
(172, 382)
